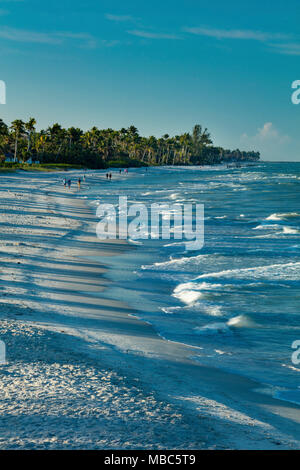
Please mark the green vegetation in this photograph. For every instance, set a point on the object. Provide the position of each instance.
(57, 147)
(11, 166)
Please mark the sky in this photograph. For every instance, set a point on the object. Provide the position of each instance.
(161, 65)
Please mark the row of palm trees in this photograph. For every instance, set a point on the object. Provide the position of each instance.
(99, 147)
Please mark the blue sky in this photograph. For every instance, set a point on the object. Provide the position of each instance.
(161, 65)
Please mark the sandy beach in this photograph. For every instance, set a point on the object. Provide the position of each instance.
(83, 371)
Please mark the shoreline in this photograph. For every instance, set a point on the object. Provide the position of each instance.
(48, 295)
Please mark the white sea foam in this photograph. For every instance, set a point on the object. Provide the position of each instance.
(174, 263)
(274, 217)
(219, 351)
(267, 227)
(289, 366)
(135, 242)
(175, 244)
(188, 296)
(282, 228)
(201, 307)
(189, 292)
(241, 321)
(213, 310)
(288, 215)
(289, 271)
(213, 329)
(174, 196)
(270, 235)
(170, 310)
(205, 282)
(291, 230)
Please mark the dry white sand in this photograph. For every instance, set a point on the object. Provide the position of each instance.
(81, 371)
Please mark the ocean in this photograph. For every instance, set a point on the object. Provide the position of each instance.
(237, 299)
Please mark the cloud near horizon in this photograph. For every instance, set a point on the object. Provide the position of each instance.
(266, 134)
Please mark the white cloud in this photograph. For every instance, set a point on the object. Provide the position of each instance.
(55, 38)
(278, 42)
(268, 133)
(269, 141)
(21, 35)
(286, 48)
(86, 40)
(120, 18)
(110, 43)
(150, 35)
(236, 34)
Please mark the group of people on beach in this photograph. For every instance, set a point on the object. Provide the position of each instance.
(69, 182)
(109, 175)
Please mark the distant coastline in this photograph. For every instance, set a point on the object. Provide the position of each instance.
(21, 143)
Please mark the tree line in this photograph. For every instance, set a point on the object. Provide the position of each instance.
(100, 148)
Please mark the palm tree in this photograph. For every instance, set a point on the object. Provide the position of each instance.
(4, 139)
(74, 135)
(201, 138)
(18, 129)
(58, 137)
(3, 128)
(40, 142)
(30, 128)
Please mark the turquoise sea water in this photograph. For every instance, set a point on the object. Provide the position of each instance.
(237, 298)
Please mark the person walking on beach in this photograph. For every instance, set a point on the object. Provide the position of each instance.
(65, 182)
(79, 183)
(69, 184)
(107, 176)
(110, 176)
